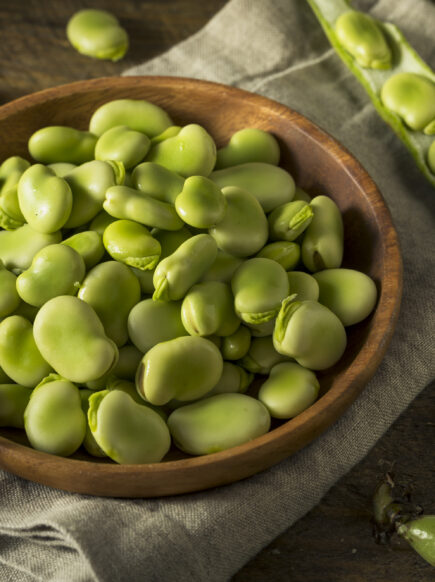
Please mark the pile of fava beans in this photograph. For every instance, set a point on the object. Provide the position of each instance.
(145, 278)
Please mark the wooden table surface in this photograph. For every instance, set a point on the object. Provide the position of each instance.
(334, 541)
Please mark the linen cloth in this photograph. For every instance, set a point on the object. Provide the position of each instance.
(278, 49)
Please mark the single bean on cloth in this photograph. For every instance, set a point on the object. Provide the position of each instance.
(203, 535)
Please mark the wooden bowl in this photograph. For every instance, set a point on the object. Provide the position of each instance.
(320, 165)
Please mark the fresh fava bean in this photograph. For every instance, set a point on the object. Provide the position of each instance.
(71, 338)
(62, 168)
(89, 442)
(171, 131)
(322, 244)
(170, 240)
(58, 143)
(233, 379)
(310, 333)
(431, 157)
(151, 322)
(101, 222)
(270, 185)
(97, 34)
(176, 274)
(9, 298)
(412, 97)
(301, 195)
(243, 230)
(11, 216)
(122, 144)
(192, 152)
(350, 294)
(208, 309)
(200, 203)
(126, 431)
(290, 220)
(112, 308)
(289, 390)
(145, 279)
(12, 165)
(185, 368)
(131, 243)
(18, 247)
(54, 420)
(236, 345)
(128, 203)
(20, 357)
(157, 181)
(13, 401)
(262, 356)
(55, 270)
(302, 285)
(287, 254)
(89, 245)
(363, 38)
(45, 199)
(223, 268)
(136, 114)
(128, 362)
(420, 534)
(249, 145)
(218, 423)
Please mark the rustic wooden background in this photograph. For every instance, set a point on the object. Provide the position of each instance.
(333, 543)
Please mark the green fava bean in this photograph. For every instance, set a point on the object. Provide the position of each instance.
(287, 254)
(55, 270)
(97, 34)
(13, 401)
(71, 338)
(223, 268)
(362, 37)
(290, 220)
(112, 308)
(208, 309)
(151, 322)
(139, 115)
(169, 132)
(310, 333)
(259, 286)
(157, 181)
(89, 245)
(62, 168)
(201, 203)
(128, 203)
(20, 357)
(9, 298)
(351, 295)
(176, 274)
(45, 199)
(270, 185)
(218, 423)
(192, 152)
(243, 230)
(11, 216)
(10, 166)
(58, 143)
(431, 157)
(170, 240)
(412, 97)
(54, 420)
(126, 431)
(420, 534)
(18, 247)
(145, 279)
(301, 195)
(262, 356)
(122, 144)
(184, 368)
(289, 390)
(234, 379)
(322, 244)
(249, 145)
(89, 442)
(101, 222)
(131, 243)
(302, 285)
(236, 345)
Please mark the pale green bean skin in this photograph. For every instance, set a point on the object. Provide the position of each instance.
(201, 203)
(101, 222)
(9, 298)
(362, 37)
(289, 221)
(20, 357)
(131, 243)
(62, 168)
(304, 286)
(12, 166)
(322, 244)
(236, 345)
(71, 338)
(122, 144)
(171, 131)
(234, 379)
(18, 247)
(13, 401)
(184, 368)
(218, 423)
(289, 390)
(287, 254)
(97, 34)
(45, 199)
(136, 114)
(11, 171)
(112, 308)
(126, 431)
(223, 268)
(58, 143)
(157, 181)
(249, 145)
(420, 534)
(262, 356)
(89, 245)
(54, 420)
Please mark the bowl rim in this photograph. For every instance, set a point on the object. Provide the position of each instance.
(344, 389)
